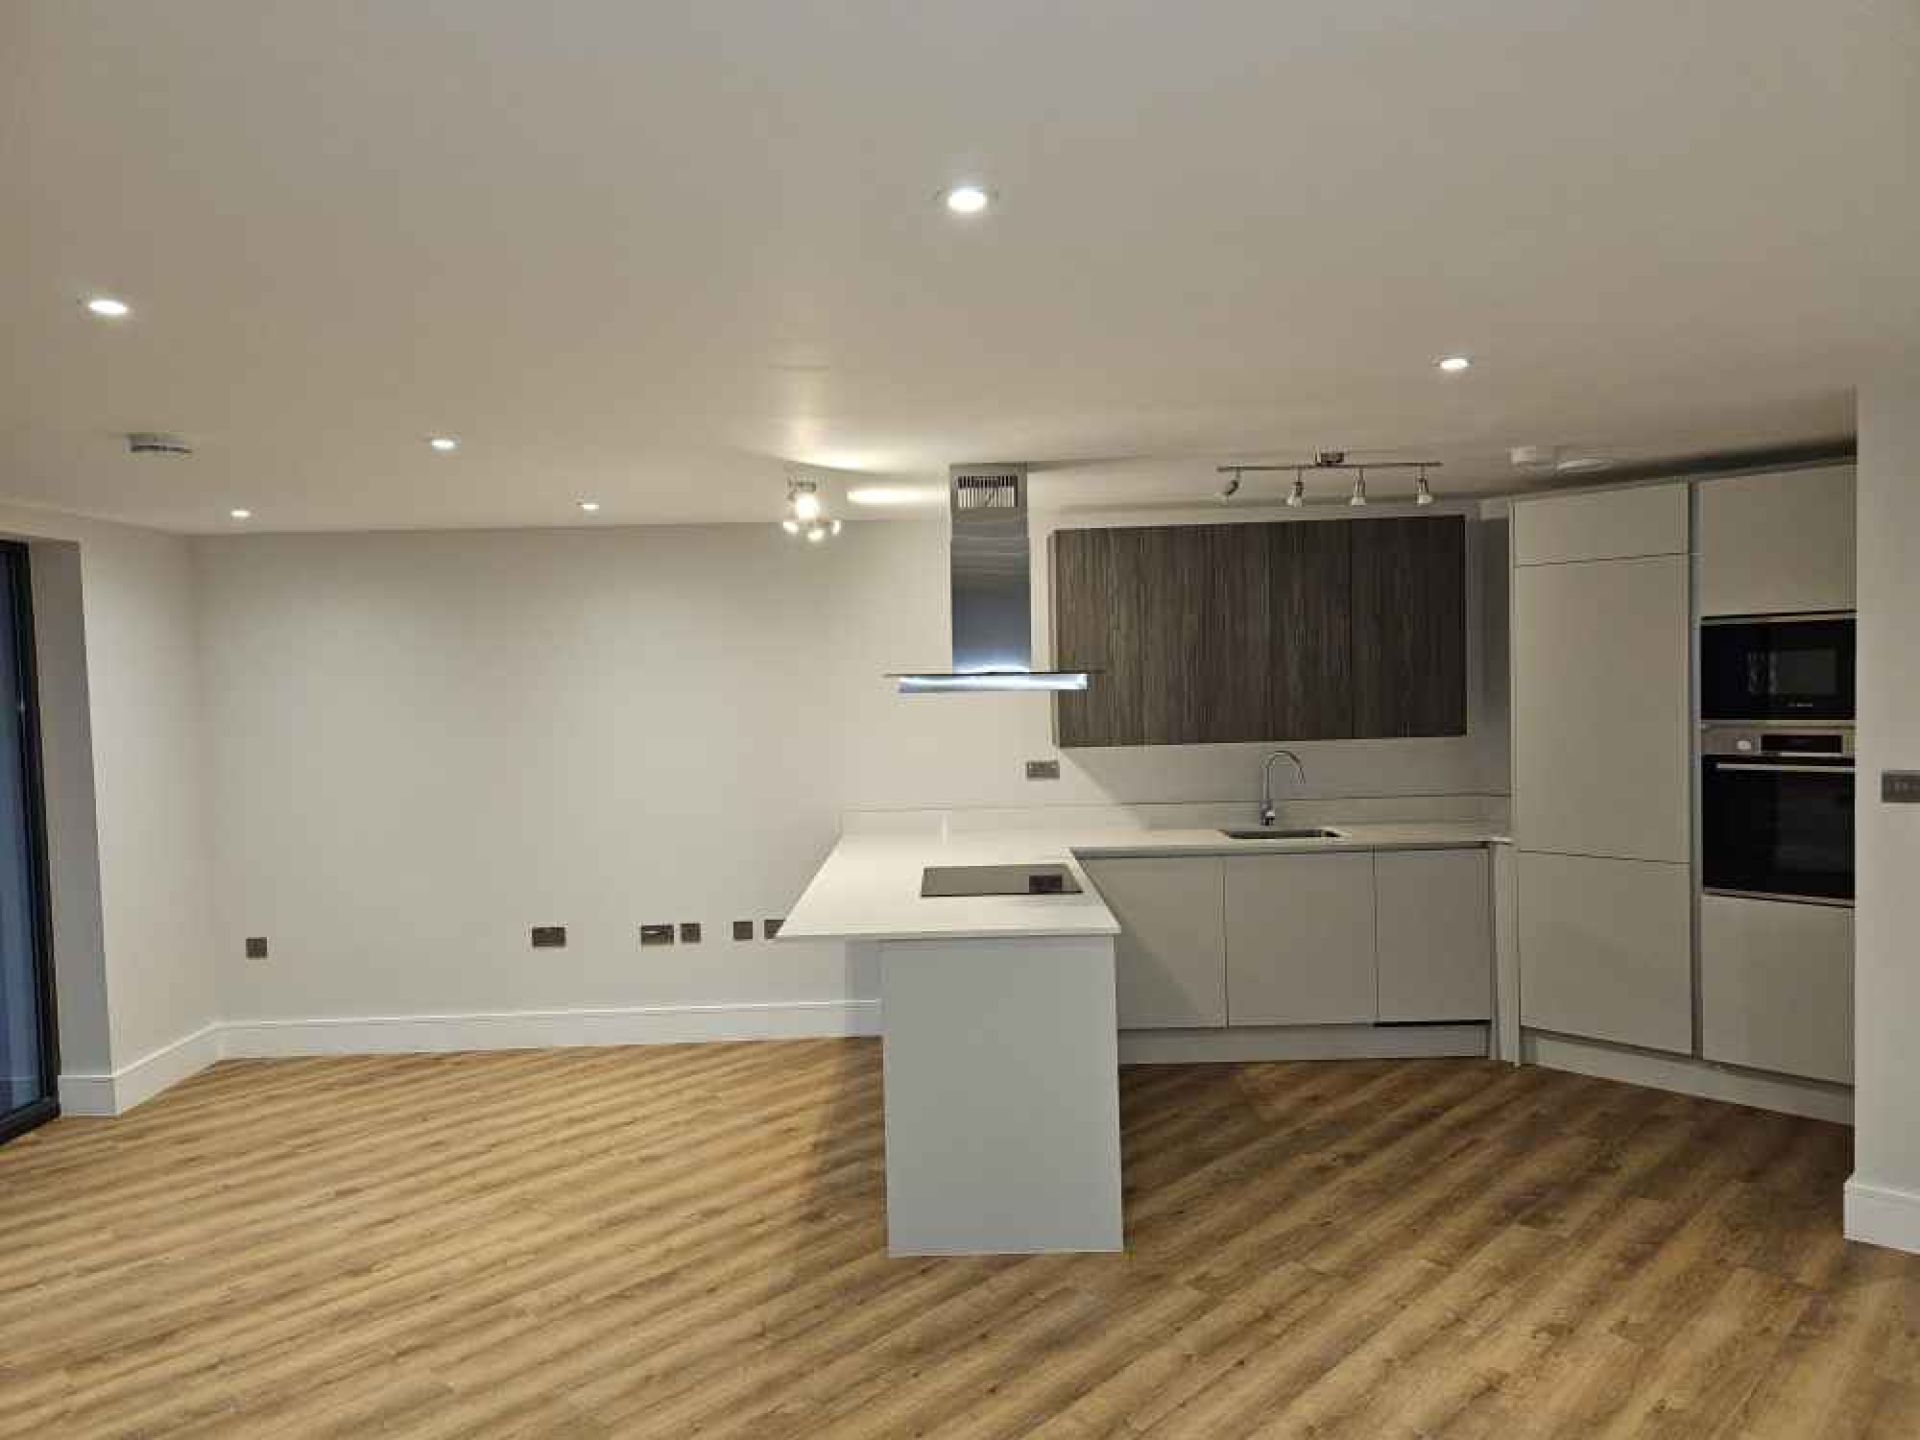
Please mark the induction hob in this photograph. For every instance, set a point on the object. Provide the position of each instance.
(948, 880)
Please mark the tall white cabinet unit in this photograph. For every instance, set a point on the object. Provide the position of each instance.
(1602, 765)
(1776, 977)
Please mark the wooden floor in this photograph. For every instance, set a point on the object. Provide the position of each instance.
(687, 1241)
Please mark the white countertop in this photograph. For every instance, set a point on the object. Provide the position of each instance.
(869, 887)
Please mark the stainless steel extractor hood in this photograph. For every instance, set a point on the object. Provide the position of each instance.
(992, 591)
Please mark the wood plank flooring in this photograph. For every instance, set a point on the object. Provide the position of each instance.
(688, 1241)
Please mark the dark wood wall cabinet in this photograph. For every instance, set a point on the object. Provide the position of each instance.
(1300, 630)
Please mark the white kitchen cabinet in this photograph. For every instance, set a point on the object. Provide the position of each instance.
(1601, 525)
(1606, 949)
(1777, 544)
(1170, 968)
(1300, 939)
(1433, 913)
(1601, 752)
(1776, 986)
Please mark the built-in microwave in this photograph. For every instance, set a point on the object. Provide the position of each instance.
(1777, 667)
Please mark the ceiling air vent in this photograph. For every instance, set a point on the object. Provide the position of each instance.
(979, 487)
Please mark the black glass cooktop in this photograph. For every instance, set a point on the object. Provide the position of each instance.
(998, 880)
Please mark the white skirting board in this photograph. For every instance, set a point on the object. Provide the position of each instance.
(1880, 1215)
(545, 1029)
(1687, 1076)
(116, 1093)
(82, 1093)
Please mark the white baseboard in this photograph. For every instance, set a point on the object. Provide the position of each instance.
(1239, 1045)
(1688, 1076)
(1881, 1215)
(83, 1093)
(545, 1029)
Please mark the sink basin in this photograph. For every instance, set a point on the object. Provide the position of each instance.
(1276, 832)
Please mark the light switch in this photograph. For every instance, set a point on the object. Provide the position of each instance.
(1900, 787)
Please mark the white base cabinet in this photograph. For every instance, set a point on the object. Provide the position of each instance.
(1435, 928)
(1350, 937)
(1170, 960)
(1300, 940)
(1776, 986)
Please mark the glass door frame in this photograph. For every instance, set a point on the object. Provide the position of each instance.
(17, 564)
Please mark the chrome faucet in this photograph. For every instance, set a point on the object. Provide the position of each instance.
(1266, 783)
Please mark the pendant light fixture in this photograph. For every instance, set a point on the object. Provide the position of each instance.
(1359, 497)
(1297, 496)
(1421, 494)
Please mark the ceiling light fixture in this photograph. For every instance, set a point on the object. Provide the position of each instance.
(1335, 461)
(444, 443)
(592, 507)
(968, 199)
(108, 308)
(240, 513)
(805, 514)
(1454, 364)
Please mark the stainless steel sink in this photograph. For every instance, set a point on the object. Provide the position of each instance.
(1277, 833)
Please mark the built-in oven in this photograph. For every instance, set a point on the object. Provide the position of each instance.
(1776, 804)
(1777, 667)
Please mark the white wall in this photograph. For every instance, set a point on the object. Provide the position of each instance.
(422, 744)
(1883, 1199)
(118, 655)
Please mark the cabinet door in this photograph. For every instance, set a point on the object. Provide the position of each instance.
(1300, 650)
(1124, 606)
(1601, 667)
(1606, 949)
(1434, 916)
(1601, 525)
(1409, 627)
(1300, 940)
(1170, 965)
(1777, 544)
(1776, 986)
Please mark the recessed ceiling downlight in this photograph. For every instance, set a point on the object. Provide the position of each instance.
(1454, 364)
(591, 507)
(107, 307)
(445, 444)
(240, 512)
(968, 199)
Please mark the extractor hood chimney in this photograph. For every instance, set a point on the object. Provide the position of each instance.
(992, 590)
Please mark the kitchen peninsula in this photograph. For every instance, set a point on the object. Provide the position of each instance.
(1001, 1014)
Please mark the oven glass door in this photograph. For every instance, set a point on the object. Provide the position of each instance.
(1779, 827)
(1777, 669)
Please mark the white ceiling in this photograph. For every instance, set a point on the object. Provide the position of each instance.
(650, 253)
